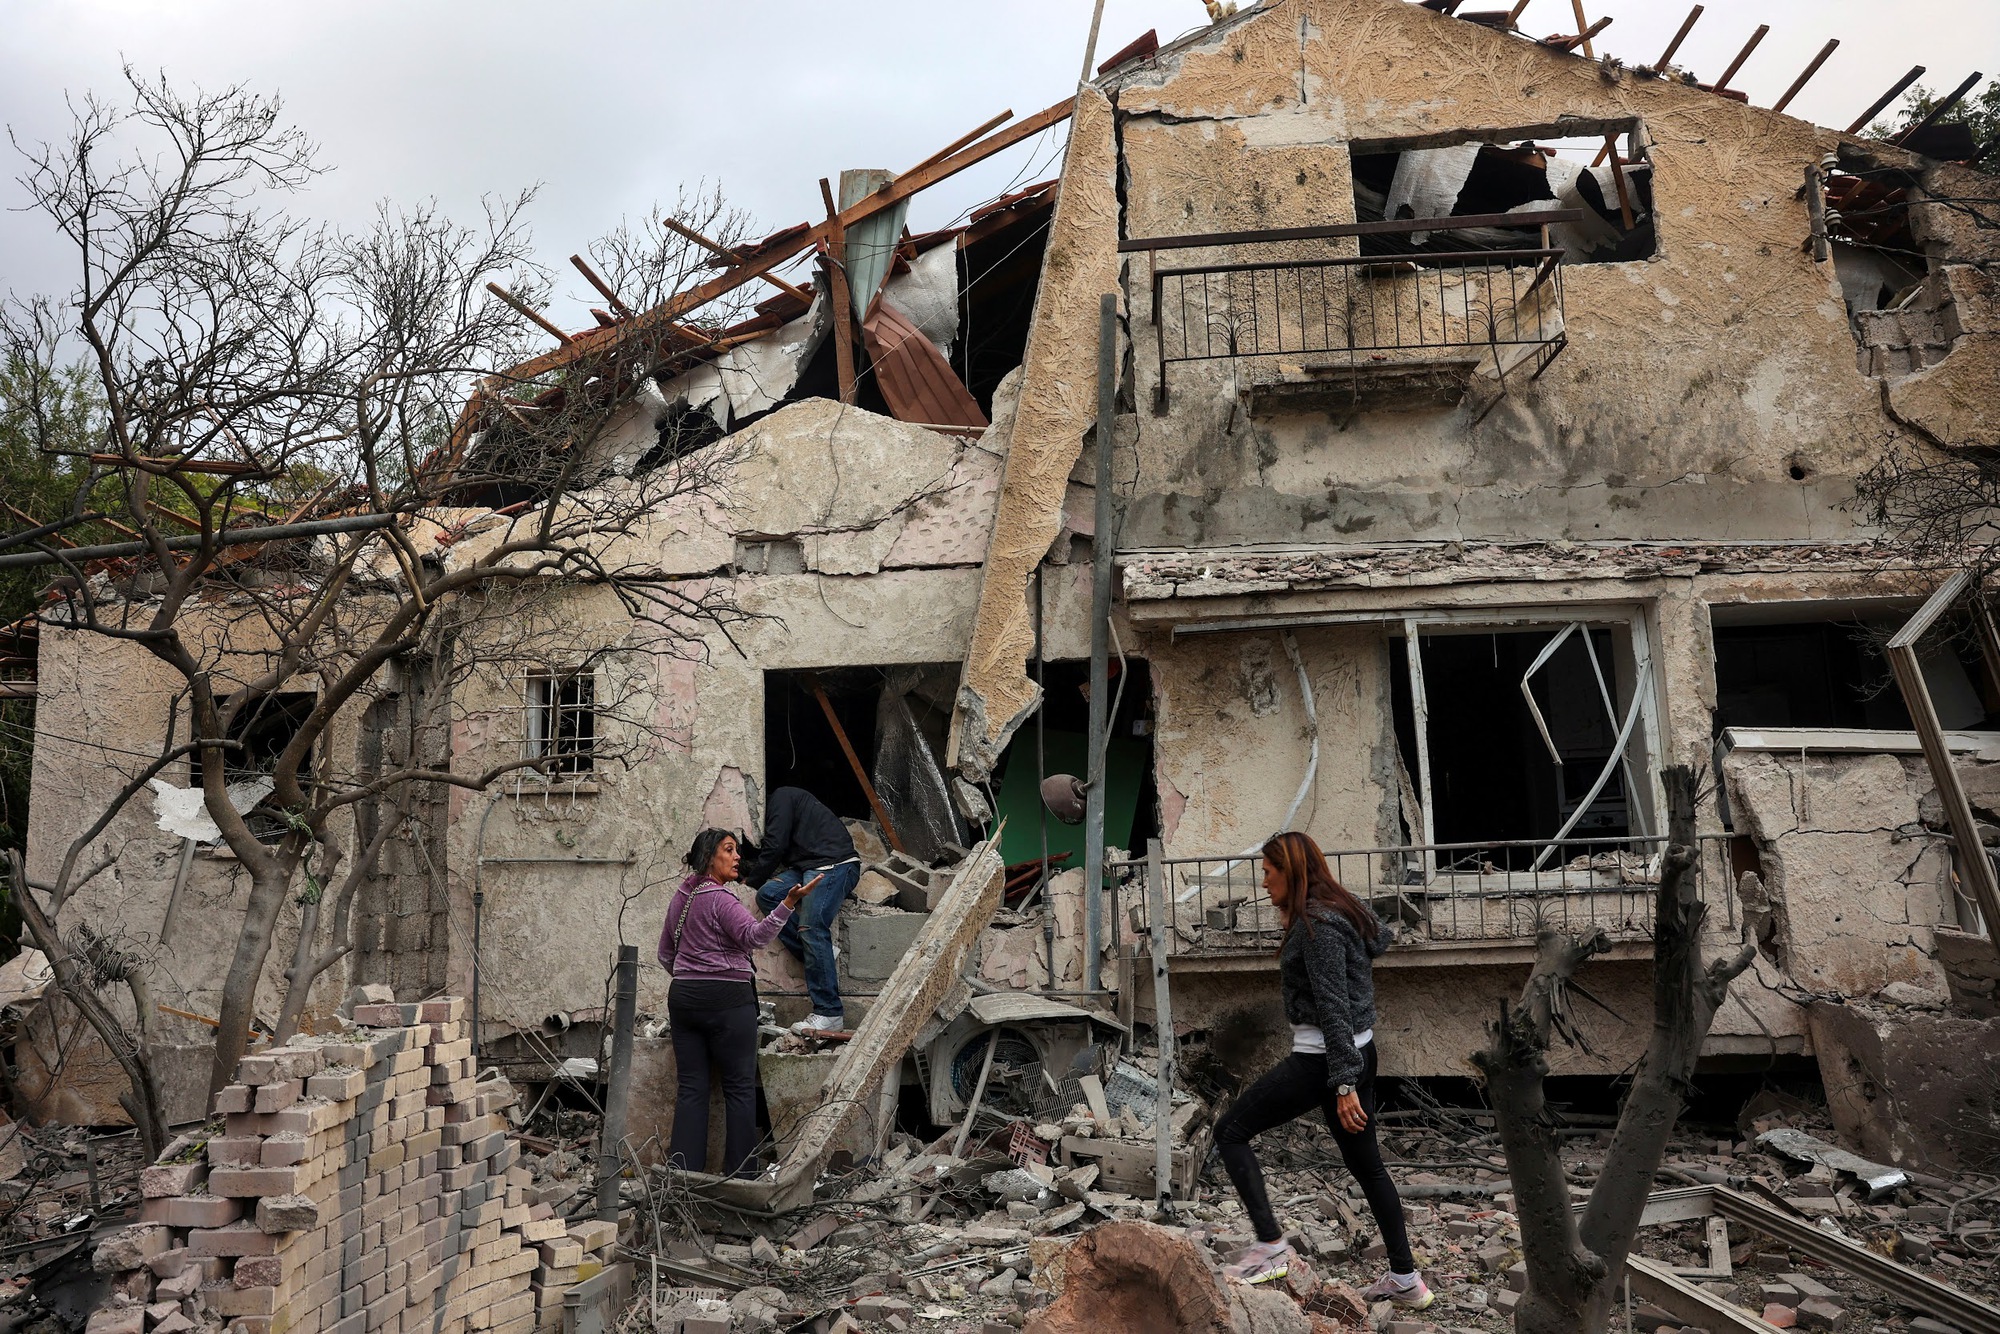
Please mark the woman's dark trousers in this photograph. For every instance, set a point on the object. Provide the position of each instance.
(1295, 1086)
(714, 1023)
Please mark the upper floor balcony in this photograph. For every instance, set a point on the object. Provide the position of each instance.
(1334, 332)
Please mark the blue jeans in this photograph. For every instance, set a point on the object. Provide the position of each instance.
(809, 935)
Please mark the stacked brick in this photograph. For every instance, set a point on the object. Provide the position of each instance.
(362, 1185)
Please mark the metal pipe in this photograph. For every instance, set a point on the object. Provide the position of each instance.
(478, 909)
(1042, 772)
(1163, 1029)
(1103, 543)
(611, 1141)
(628, 859)
(1385, 227)
(229, 537)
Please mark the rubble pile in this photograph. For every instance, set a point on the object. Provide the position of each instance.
(993, 1240)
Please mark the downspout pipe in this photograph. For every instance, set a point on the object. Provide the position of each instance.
(1103, 546)
(479, 910)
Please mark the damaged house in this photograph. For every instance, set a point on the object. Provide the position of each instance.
(1486, 425)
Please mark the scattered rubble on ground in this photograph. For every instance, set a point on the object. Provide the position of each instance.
(979, 1242)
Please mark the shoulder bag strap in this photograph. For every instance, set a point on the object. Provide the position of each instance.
(680, 924)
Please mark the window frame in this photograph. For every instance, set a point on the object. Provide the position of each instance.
(560, 723)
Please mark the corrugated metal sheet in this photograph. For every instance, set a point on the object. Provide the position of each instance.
(871, 243)
(916, 381)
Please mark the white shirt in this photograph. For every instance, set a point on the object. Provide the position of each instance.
(1308, 1039)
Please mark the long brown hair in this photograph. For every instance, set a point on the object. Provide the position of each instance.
(1307, 879)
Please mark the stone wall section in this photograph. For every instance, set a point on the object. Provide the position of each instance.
(359, 1185)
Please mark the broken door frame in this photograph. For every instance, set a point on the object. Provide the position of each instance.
(1974, 869)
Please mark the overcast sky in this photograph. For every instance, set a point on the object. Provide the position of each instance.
(610, 106)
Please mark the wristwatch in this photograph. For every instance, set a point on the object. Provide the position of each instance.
(1345, 1090)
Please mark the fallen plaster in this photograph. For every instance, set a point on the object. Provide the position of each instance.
(1058, 399)
(1918, 1087)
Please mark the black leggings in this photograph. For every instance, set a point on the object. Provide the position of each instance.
(714, 1021)
(1288, 1091)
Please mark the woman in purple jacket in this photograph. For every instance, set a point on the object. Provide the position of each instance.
(706, 944)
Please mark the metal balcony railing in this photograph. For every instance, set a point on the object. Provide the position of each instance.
(1361, 313)
(1216, 906)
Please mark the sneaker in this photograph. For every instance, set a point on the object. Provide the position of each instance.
(1261, 1262)
(821, 1023)
(1389, 1288)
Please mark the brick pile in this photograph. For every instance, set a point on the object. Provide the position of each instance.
(359, 1185)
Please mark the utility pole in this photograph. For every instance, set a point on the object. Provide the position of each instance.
(1103, 546)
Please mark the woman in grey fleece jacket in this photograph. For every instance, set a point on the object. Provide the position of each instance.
(1326, 972)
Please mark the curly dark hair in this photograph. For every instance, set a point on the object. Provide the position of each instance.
(702, 853)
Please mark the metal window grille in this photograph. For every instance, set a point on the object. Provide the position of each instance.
(562, 721)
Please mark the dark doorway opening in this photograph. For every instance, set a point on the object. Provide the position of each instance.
(896, 719)
(1492, 777)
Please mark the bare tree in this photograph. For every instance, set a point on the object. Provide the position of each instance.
(1573, 1282)
(367, 395)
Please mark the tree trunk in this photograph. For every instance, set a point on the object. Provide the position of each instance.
(142, 1102)
(1562, 1272)
(1572, 1286)
(246, 966)
(299, 977)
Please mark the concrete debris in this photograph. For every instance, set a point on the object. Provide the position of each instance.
(1797, 1144)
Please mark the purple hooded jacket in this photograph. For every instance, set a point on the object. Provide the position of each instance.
(720, 934)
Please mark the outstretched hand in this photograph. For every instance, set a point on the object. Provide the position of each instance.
(1352, 1118)
(799, 891)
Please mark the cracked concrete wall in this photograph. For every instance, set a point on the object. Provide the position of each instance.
(1729, 350)
(1856, 878)
(101, 704)
(891, 521)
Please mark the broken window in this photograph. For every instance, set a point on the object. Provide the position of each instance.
(261, 730)
(1808, 667)
(1606, 176)
(562, 721)
(1514, 736)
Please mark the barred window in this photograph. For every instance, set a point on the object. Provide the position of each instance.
(562, 721)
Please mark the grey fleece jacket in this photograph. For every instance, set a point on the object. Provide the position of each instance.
(1327, 975)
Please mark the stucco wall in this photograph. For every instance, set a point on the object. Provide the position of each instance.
(1692, 382)
(890, 521)
(1857, 877)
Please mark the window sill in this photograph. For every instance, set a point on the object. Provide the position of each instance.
(529, 788)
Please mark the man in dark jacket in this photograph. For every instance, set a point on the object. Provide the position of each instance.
(803, 839)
